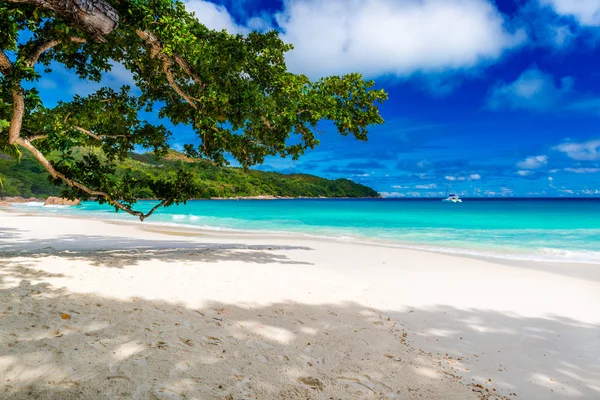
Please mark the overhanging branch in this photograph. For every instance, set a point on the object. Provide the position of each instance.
(26, 144)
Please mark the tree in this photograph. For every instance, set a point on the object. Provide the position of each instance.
(234, 91)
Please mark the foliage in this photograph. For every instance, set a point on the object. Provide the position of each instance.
(234, 91)
(27, 179)
(9, 150)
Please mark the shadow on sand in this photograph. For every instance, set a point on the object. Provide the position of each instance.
(119, 252)
(60, 345)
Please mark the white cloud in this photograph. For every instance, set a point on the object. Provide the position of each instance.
(392, 194)
(550, 178)
(503, 192)
(583, 170)
(586, 12)
(532, 90)
(584, 151)
(215, 16)
(533, 162)
(398, 194)
(590, 191)
(429, 38)
(430, 186)
(472, 177)
(423, 164)
(561, 35)
(545, 27)
(524, 173)
(378, 37)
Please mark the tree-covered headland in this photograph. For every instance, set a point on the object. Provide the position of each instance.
(28, 178)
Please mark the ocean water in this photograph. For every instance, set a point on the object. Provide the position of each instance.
(566, 230)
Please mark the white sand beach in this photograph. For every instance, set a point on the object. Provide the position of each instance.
(94, 309)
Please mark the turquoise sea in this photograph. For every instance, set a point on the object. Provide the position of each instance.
(538, 229)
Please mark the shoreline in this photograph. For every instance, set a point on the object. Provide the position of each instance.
(19, 199)
(445, 327)
(470, 253)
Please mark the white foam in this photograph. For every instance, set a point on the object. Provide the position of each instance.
(30, 204)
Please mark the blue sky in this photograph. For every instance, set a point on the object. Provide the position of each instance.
(501, 97)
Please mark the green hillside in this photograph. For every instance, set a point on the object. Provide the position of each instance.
(27, 178)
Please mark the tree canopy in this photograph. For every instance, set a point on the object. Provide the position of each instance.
(233, 90)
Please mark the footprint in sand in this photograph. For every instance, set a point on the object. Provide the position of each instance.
(311, 382)
(257, 344)
(358, 385)
(164, 393)
(262, 358)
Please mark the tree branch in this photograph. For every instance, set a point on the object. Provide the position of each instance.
(169, 75)
(25, 143)
(97, 137)
(37, 137)
(267, 123)
(5, 65)
(45, 46)
(16, 122)
(96, 17)
(156, 51)
(89, 133)
(156, 207)
(151, 40)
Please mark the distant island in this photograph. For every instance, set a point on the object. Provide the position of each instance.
(27, 178)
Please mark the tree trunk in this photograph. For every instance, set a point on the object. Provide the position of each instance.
(96, 17)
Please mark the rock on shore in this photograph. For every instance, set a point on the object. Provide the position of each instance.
(57, 201)
(17, 199)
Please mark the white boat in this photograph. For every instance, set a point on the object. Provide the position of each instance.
(452, 198)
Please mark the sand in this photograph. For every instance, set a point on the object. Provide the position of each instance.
(95, 309)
